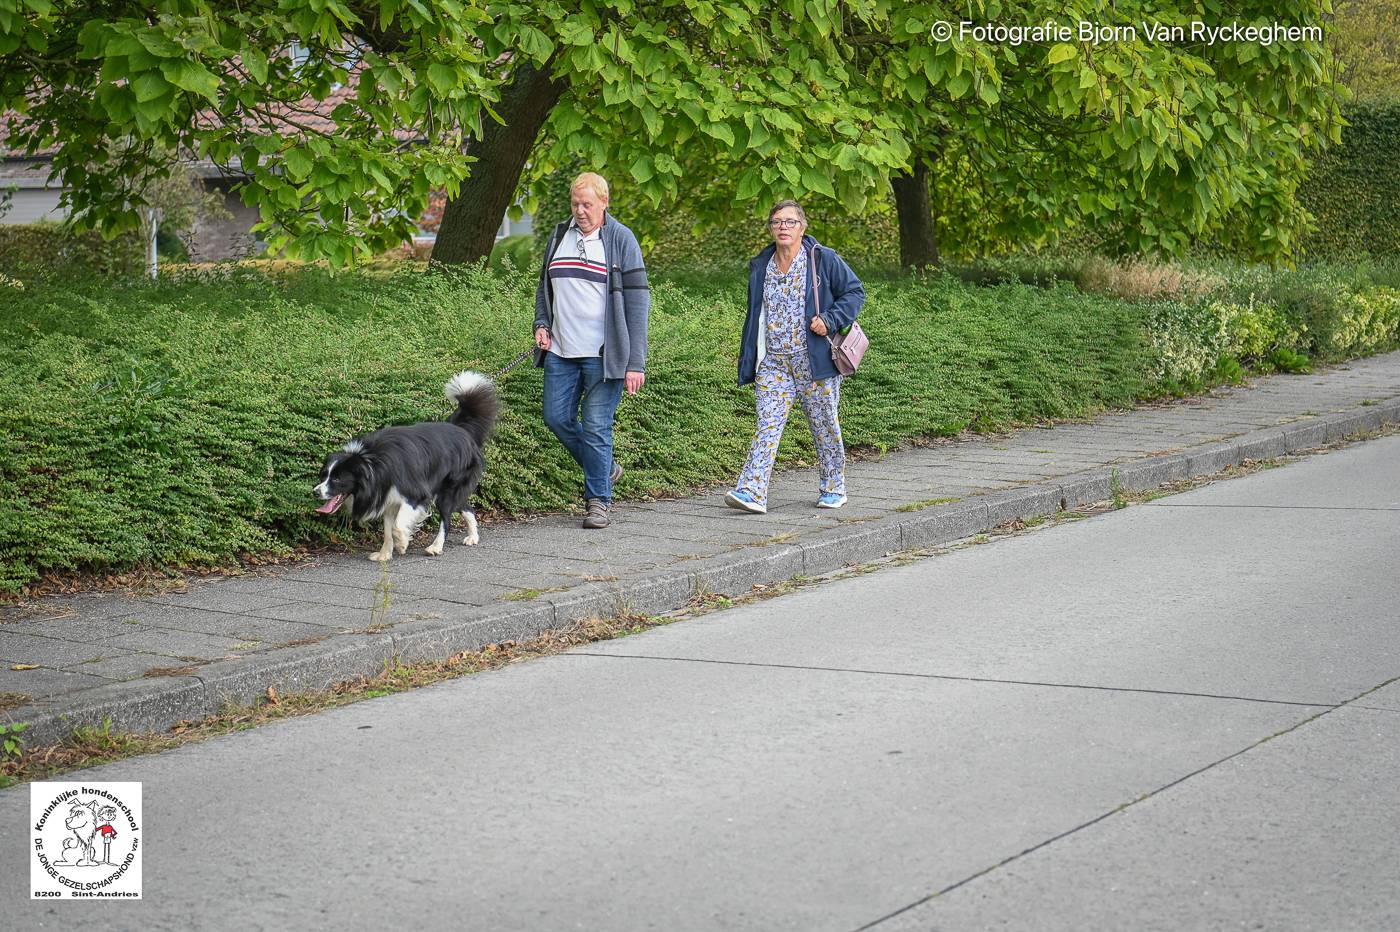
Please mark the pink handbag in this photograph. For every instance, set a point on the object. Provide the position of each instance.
(847, 347)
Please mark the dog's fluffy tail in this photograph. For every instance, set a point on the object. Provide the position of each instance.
(477, 404)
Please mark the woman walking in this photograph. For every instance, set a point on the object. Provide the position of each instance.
(800, 292)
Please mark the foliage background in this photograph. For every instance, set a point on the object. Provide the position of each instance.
(38, 249)
(184, 421)
(1353, 190)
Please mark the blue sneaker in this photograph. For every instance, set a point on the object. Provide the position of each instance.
(831, 500)
(745, 502)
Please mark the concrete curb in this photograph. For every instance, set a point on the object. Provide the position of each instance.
(157, 704)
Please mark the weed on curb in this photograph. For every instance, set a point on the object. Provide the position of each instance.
(13, 700)
(529, 595)
(91, 746)
(1115, 488)
(927, 503)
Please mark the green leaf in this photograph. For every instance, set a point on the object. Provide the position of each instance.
(1061, 51)
(722, 132)
(442, 78)
(149, 86)
(535, 43)
(256, 63)
(758, 133)
(193, 77)
(575, 32)
(813, 179)
(158, 45)
(749, 186)
(298, 164)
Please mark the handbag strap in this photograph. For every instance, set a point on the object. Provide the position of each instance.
(817, 297)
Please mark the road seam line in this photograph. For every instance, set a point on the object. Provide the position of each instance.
(1123, 808)
(951, 677)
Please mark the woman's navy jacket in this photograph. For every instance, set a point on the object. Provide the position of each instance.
(842, 295)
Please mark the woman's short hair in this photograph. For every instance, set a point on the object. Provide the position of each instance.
(593, 181)
(801, 214)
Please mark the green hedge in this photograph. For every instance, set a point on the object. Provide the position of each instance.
(34, 248)
(672, 238)
(1354, 189)
(184, 422)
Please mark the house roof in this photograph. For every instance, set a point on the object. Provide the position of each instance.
(306, 115)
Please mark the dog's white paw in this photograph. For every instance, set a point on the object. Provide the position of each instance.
(472, 539)
(379, 556)
(434, 549)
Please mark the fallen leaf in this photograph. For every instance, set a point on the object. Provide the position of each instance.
(25, 666)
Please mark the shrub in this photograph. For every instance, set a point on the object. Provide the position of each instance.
(1142, 278)
(1026, 268)
(1367, 321)
(37, 249)
(183, 422)
(1352, 190)
(518, 251)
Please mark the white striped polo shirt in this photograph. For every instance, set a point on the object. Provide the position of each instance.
(580, 284)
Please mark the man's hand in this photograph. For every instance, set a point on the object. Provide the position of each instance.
(634, 382)
(819, 326)
(542, 338)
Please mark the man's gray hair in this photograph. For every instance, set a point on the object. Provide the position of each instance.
(801, 214)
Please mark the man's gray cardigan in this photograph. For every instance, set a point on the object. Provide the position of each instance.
(628, 296)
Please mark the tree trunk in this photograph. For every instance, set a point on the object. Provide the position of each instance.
(470, 220)
(917, 243)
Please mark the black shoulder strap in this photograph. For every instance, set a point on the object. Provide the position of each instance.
(558, 237)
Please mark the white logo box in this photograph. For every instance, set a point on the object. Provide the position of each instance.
(85, 841)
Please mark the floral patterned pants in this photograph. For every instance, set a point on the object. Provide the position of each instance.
(780, 380)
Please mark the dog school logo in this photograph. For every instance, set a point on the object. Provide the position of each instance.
(86, 840)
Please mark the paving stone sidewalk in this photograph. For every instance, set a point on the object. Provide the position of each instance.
(146, 661)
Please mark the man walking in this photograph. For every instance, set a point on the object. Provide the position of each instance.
(591, 310)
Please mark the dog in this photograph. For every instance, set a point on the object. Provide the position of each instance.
(401, 473)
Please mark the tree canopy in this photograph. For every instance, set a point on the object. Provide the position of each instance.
(720, 104)
(1152, 139)
(121, 89)
(1368, 43)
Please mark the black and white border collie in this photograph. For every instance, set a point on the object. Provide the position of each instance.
(401, 473)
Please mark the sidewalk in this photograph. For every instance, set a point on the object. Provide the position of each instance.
(146, 662)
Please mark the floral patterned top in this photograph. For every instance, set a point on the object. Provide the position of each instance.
(785, 306)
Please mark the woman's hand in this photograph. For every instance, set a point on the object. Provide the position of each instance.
(634, 382)
(542, 338)
(818, 326)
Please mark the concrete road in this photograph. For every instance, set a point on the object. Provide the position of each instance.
(1182, 715)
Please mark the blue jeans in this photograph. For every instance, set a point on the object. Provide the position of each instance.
(579, 405)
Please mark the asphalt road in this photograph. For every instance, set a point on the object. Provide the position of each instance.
(1182, 715)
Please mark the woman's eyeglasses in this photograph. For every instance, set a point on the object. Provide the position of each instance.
(783, 223)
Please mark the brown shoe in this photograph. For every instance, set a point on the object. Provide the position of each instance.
(597, 516)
